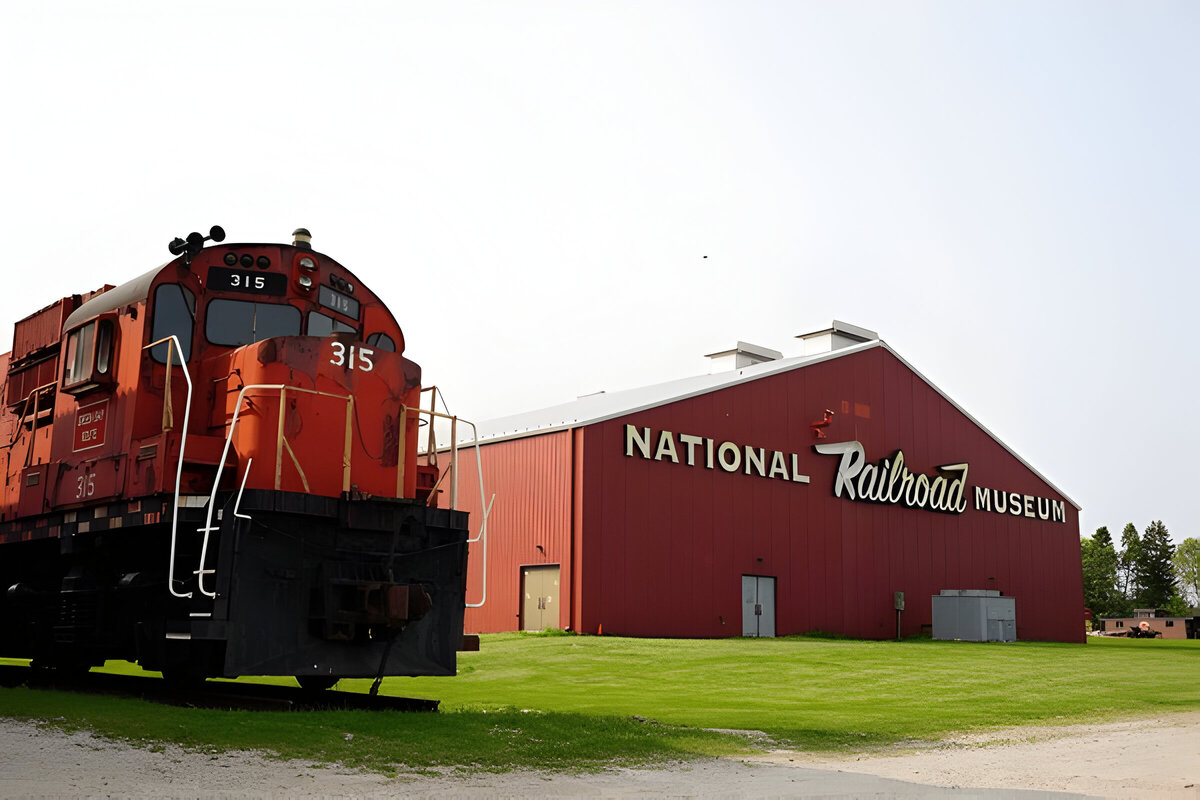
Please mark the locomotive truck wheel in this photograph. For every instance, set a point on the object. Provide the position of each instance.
(183, 681)
(182, 675)
(316, 683)
(65, 667)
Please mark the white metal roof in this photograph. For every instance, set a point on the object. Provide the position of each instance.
(133, 291)
(845, 329)
(603, 406)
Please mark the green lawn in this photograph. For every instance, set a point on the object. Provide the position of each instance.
(581, 702)
(818, 692)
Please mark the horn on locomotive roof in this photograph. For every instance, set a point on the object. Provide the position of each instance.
(195, 242)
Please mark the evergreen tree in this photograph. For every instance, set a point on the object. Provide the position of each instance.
(1176, 607)
(1187, 569)
(1131, 545)
(1153, 569)
(1100, 574)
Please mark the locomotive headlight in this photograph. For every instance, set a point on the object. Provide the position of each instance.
(309, 264)
(304, 281)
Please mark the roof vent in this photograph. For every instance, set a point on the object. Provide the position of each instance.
(841, 334)
(742, 355)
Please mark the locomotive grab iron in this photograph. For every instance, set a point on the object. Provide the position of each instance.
(214, 470)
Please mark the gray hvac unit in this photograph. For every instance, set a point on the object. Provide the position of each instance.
(974, 615)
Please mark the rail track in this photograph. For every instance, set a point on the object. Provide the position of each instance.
(208, 694)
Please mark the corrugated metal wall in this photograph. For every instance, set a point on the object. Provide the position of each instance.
(532, 481)
(41, 329)
(667, 544)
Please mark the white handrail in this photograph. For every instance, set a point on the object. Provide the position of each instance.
(484, 505)
(187, 410)
(483, 535)
(241, 489)
(212, 498)
(208, 528)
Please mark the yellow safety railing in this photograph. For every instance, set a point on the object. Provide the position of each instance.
(33, 397)
(168, 412)
(451, 470)
(281, 445)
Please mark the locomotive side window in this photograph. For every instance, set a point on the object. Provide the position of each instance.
(174, 313)
(381, 341)
(79, 355)
(89, 356)
(104, 346)
(238, 322)
(323, 325)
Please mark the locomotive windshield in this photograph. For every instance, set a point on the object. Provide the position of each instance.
(174, 313)
(382, 341)
(238, 322)
(323, 325)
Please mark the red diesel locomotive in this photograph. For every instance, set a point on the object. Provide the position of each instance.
(213, 470)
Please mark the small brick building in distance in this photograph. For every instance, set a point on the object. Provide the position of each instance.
(773, 496)
(1164, 626)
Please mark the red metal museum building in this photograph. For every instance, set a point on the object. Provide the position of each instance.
(776, 497)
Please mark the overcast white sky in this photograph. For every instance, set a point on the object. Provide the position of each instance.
(1007, 192)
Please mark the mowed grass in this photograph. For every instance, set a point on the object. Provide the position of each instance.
(821, 693)
(584, 702)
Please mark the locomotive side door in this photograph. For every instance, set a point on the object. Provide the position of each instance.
(87, 439)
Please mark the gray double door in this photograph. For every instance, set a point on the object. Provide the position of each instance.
(758, 606)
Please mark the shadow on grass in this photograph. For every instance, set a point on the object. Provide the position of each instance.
(384, 741)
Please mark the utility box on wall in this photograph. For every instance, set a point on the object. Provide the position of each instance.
(974, 615)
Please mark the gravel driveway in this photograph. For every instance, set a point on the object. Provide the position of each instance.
(1139, 758)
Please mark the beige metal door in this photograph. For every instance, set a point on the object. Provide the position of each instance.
(539, 597)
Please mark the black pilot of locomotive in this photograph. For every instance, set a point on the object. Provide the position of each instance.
(213, 470)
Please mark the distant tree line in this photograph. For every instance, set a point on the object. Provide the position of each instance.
(1148, 571)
